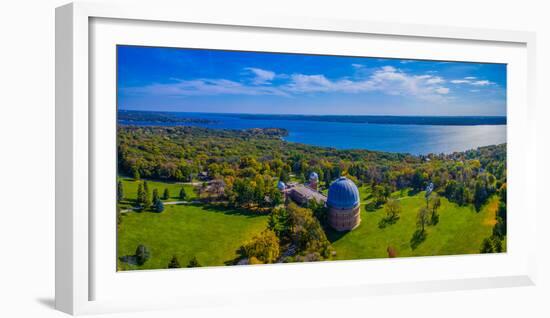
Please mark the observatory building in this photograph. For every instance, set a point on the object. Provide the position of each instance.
(344, 205)
(314, 181)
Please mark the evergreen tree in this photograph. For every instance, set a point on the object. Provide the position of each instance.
(174, 263)
(147, 195)
(194, 262)
(480, 194)
(183, 195)
(276, 197)
(279, 222)
(140, 199)
(166, 194)
(158, 206)
(119, 191)
(155, 196)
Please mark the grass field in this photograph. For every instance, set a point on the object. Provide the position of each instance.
(213, 235)
(460, 231)
(210, 234)
(130, 190)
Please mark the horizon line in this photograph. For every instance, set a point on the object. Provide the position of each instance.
(290, 114)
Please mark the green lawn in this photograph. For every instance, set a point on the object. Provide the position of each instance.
(130, 190)
(460, 231)
(212, 235)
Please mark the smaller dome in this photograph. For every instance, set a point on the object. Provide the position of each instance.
(429, 189)
(281, 185)
(313, 176)
(343, 194)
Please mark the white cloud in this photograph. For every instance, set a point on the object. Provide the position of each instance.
(204, 87)
(460, 81)
(388, 69)
(261, 76)
(387, 79)
(471, 80)
(357, 65)
(482, 83)
(442, 90)
(435, 80)
(423, 76)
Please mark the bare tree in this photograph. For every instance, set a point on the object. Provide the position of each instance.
(422, 218)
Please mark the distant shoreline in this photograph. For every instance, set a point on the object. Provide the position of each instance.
(352, 119)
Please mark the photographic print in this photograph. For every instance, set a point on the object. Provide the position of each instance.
(241, 158)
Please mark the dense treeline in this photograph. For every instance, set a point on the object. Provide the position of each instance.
(158, 117)
(248, 161)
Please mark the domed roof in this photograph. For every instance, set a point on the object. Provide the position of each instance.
(313, 176)
(281, 185)
(343, 194)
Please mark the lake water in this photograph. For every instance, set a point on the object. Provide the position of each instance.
(414, 139)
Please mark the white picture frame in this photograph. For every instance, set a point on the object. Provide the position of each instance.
(77, 163)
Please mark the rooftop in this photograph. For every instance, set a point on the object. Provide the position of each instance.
(302, 194)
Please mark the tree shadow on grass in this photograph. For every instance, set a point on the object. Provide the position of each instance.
(240, 256)
(434, 219)
(387, 221)
(370, 207)
(129, 259)
(333, 235)
(217, 208)
(418, 237)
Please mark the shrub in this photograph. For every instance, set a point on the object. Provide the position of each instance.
(194, 262)
(174, 263)
(487, 246)
(253, 261)
(497, 244)
(391, 252)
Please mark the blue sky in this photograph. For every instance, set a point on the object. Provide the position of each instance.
(190, 80)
